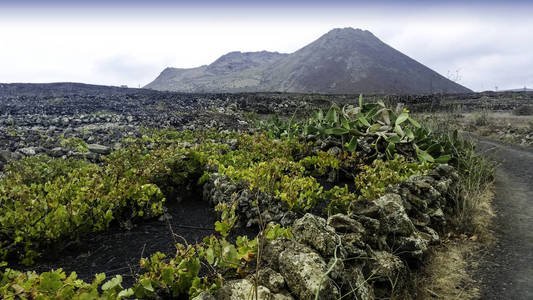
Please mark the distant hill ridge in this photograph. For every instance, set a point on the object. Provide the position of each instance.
(60, 89)
(524, 89)
(343, 61)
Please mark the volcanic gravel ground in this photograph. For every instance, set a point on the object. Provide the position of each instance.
(506, 269)
(117, 251)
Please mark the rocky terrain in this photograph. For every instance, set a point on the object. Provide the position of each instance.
(343, 60)
(366, 254)
(37, 118)
(387, 236)
(509, 135)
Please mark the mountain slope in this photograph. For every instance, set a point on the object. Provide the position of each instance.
(233, 72)
(341, 61)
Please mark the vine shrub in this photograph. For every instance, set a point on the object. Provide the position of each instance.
(163, 278)
(46, 201)
(373, 179)
(57, 285)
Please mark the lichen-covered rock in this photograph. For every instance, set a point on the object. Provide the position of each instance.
(29, 151)
(366, 207)
(354, 282)
(281, 296)
(444, 186)
(100, 149)
(372, 236)
(394, 218)
(386, 266)
(314, 232)
(413, 246)
(424, 199)
(304, 271)
(424, 185)
(301, 267)
(57, 152)
(353, 244)
(242, 289)
(5, 156)
(437, 217)
(336, 267)
(388, 273)
(271, 279)
(447, 171)
(431, 235)
(389, 210)
(272, 250)
(204, 296)
(343, 223)
(253, 208)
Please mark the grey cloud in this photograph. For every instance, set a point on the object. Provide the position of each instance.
(125, 69)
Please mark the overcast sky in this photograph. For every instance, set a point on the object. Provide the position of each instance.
(481, 45)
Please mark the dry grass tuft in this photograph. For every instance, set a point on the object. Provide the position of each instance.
(447, 271)
(445, 276)
(482, 216)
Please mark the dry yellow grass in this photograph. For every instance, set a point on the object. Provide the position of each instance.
(447, 271)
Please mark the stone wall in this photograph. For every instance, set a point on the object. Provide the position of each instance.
(364, 255)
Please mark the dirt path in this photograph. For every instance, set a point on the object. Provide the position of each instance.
(506, 269)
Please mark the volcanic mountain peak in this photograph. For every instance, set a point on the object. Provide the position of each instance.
(344, 60)
(346, 33)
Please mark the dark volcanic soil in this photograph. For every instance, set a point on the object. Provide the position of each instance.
(117, 251)
(506, 269)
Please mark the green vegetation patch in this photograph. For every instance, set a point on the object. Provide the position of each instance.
(45, 201)
(332, 159)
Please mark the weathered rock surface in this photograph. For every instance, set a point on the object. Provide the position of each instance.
(253, 207)
(374, 246)
(242, 289)
(314, 232)
(99, 149)
(271, 279)
(304, 271)
(204, 296)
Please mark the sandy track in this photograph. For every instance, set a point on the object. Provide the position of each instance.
(506, 269)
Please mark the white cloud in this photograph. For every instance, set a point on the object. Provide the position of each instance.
(131, 47)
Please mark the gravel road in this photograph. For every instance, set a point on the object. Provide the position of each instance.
(506, 270)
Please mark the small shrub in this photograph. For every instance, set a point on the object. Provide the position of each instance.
(374, 179)
(45, 202)
(481, 118)
(476, 173)
(57, 285)
(340, 199)
(320, 164)
(523, 110)
(388, 131)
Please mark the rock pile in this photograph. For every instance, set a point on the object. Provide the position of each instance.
(520, 136)
(36, 121)
(33, 117)
(363, 255)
